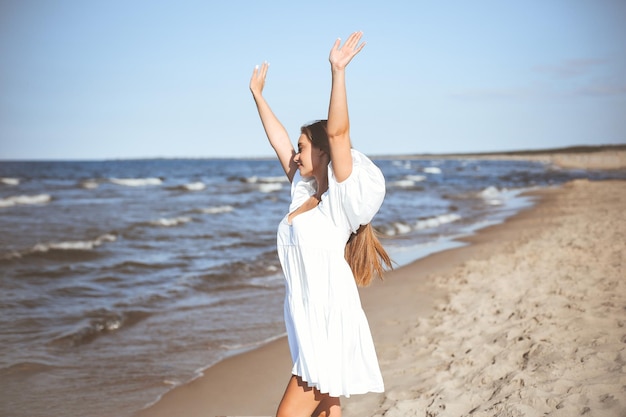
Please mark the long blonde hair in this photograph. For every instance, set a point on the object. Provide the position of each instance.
(364, 252)
(366, 256)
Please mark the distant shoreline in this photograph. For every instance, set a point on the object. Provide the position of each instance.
(605, 157)
(522, 152)
(529, 154)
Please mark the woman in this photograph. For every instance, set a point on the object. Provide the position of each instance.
(336, 191)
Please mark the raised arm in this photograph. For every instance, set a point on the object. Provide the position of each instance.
(275, 131)
(338, 120)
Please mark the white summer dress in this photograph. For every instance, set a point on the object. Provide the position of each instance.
(329, 337)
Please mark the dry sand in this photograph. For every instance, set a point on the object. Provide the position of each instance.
(534, 324)
(597, 160)
(527, 320)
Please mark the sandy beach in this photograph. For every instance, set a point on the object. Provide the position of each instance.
(581, 157)
(527, 319)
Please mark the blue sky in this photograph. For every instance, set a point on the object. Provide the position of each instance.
(125, 79)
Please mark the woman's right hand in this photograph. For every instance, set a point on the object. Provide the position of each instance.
(257, 82)
(340, 56)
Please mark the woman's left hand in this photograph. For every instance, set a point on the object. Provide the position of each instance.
(257, 82)
(340, 57)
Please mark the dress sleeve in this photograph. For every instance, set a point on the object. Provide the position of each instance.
(357, 199)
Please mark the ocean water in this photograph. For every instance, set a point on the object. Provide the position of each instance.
(122, 279)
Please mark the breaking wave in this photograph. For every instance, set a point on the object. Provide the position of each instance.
(492, 196)
(23, 200)
(266, 184)
(194, 186)
(436, 221)
(105, 321)
(10, 181)
(407, 181)
(266, 180)
(216, 209)
(90, 184)
(136, 182)
(403, 228)
(71, 245)
(270, 187)
(175, 221)
(432, 170)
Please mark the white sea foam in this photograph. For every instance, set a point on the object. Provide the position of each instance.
(25, 200)
(83, 245)
(89, 184)
(136, 182)
(68, 245)
(397, 228)
(64, 245)
(416, 178)
(279, 178)
(10, 181)
(194, 186)
(216, 209)
(270, 187)
(432, 170)
(436, 221)
(406, 183)
(402, 228)
(248, 346)
(492, 196)
(171, 222)
(266, 180)
(402, 164)
(172, 382)
(490, 192)
(448, 218)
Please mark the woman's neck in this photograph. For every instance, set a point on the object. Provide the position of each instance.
(322, 185)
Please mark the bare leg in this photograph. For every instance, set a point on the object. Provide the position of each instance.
(300, 400)
(328, 407)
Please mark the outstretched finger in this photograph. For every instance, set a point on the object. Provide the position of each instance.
(361, 46)
(336, 45)
(353, 40)
(255, 72)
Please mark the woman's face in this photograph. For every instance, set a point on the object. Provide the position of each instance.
(311, 161)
